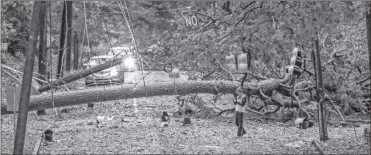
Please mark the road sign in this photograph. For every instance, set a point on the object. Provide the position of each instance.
(191, 21)
(12, 97)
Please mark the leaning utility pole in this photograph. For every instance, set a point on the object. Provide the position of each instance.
(27, 79)
(322, 122)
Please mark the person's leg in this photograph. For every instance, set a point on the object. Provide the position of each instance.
(241, 130)
(237, 119)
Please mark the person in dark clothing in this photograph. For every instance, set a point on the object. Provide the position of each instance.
(240, 110)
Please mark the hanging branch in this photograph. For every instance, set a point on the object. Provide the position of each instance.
(209, 26)
(248, 13)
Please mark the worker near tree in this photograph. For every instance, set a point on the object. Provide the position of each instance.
(240, 110)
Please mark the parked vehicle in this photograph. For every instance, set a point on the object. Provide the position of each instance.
(114, 74)
(107, 76)
(123, 50)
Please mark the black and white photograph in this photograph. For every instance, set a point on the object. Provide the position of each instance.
(185, 77)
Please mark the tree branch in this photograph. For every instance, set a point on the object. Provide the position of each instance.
(248, 13)
(363, 80)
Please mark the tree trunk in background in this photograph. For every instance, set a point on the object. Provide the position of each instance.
(61, 42)
(69, 36)
(27, 79)
(368, 23)
(42, 49)
(76, 53)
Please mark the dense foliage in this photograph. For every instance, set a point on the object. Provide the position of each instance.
(271, 30)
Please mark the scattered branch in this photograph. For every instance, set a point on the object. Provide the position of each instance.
(352, 120)
(333, 56)
(215, 106)
(315, 143)
(207, 75)
(337, 110)
(273, 72)
(226, 110)
(299, 103)
(363, 80)
(230, 74)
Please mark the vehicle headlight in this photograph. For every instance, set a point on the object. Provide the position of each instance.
(130, 62)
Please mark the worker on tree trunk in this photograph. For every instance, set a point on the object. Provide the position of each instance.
(240, 109)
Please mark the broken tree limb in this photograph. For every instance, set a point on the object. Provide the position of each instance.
(81, 74)
(353, 120)
(337, 110)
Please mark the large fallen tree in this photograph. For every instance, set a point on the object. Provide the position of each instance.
(44, 101)
(124, 91)
(263, 90)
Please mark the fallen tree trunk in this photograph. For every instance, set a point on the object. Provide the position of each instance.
(117, 92)
(82, 74)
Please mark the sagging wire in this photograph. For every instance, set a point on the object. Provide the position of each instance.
(19, 72)
(89, 51)
(51, 57)
(133, 39)
(110, 43)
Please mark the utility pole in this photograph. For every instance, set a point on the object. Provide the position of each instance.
(27, 79)
(316, 57)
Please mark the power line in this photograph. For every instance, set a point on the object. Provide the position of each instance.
(184, 8)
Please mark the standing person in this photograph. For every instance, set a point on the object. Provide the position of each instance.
(240, 109)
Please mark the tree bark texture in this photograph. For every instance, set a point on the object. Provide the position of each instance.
(82, 74)
(76, 52)
(117, 92)
(42, 48)
(61, 42)
(69, 36)
(368, 25)
(27, 79)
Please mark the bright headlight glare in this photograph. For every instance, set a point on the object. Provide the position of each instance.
(130, 62)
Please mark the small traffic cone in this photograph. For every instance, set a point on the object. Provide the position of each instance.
(187, 120)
